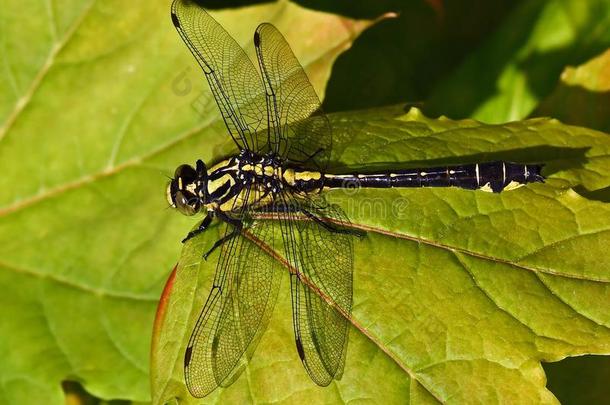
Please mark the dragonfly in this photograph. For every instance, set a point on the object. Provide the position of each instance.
(269, 196)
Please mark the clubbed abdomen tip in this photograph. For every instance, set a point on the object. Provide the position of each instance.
(534, 174)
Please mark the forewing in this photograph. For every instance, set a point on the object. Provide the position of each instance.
(233, 79)
(321, 286)
(236, 312)
(299, 130)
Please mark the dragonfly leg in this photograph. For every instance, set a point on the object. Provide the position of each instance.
(330, 227)
(313, 217)
(202, 227)
(237, 227)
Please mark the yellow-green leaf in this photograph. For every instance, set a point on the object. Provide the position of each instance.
(98, 101)
(459, 295)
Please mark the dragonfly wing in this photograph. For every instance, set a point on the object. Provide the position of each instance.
(233, 79)
(301, 131)
(321, 261)
(235, 313)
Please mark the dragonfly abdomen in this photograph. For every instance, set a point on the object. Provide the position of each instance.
(491, 176)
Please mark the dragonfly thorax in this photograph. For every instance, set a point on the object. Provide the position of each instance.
(245, 178)
(263, 169)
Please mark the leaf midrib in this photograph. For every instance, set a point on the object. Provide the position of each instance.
(483, 256)
(79, 286)
(24, 100)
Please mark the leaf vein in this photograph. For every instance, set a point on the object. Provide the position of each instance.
(25, 99)
(276, 256)
(51, 330)
(563, 301)
(108, 172)
(479, 255)
(120, 349)
(78, 286)
(506, 311)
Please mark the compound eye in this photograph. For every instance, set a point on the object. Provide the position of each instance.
(182, 204)
(186, 173)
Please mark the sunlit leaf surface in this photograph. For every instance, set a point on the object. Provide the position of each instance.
(98, 102)
(459, 295)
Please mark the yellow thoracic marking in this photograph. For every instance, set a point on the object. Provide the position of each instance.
(486, 187)
(252, 168)
(232, 204)
(191, 187)
(253, 197)
(220, 165)
(259, 169)
(215, 184)
(211, 206)
(513, 185)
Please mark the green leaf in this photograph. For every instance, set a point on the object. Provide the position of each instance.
(98, 100)
(582, 95)
(519, 64)
(459, 295)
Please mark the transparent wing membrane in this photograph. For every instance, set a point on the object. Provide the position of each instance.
(277, 113)
(321, 260)
(236, 311)
(233, 79)
(300, 131)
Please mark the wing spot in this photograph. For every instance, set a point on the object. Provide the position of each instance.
(300, 349)
(175, 20)
(187, 356)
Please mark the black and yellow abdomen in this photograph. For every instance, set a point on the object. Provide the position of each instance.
(491, 176)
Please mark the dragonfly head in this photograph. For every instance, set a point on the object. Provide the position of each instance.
(187, 189)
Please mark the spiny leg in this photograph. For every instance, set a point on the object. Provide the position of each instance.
(220, 241)
(329, 227)
(202, 227)
(237, 227)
